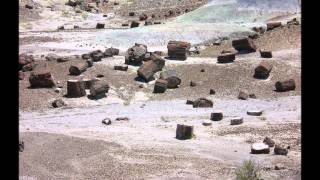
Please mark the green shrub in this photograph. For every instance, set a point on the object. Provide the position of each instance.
(248, 171)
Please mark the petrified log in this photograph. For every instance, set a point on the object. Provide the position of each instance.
(273, 25)
(178, 50)
(160, 86)
(265, 54)
(75, 88)
(202, 103)
(99, 88)
(286, 85)
(88, 82)
(244, 45)
(134, 24)
(260, 148)
(100, 26)
(41, 79)
(121, 67)
(135, 54)
(226, 58)
(262, 71)
(77, 69)
(184, 132)
(147, 70)
(171, 77)
(216, 116)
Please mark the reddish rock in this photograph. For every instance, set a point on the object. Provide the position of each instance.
(178, 50)
(287, 85)
(262, 71)
(41, 80)
(273, 25)
(244, 45)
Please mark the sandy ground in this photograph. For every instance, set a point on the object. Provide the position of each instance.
(145, 147)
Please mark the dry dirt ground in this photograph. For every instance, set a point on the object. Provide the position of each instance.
(72, 143)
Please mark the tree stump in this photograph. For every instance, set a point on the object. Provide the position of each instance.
(184, 132)
(287, 85)
(79, 68)
(99, 88)
(75, 88)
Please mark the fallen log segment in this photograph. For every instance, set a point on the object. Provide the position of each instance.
(77, 69)
(184, 132)
(99, 88)
(75, 88)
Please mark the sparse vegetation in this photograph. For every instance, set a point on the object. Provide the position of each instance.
(248, 171)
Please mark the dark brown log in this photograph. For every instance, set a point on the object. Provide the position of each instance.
(202, 103)
(99, 88)
(41, 79)
(265, 54)
(77, 69)
(177, 50)
(273, 25)
(160, 86)
(244, 45)
(286, 85)
(121, 68)
(226, 58)
(184, 132)
(100, 26)
(147, 70)
(134, 24)
(75, 88)
(88, 82)
(263, 70)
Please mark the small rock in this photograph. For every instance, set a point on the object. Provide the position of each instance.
(278, 150)
(100, 26)
(260, 148)
(122, 119)
(21, 75)
(99, 75)
(243, 95)
(192, 84)
(131, 13)
(253, 96)
(58, 103)
(76, 27)
(58, 90)
(207, 123)
(141, 86)
(212, 92)
(189, 102)
(279, 167)
(134, 24)
(287, 85)
(85, 56)
(236, 121)
(254, 112)
(269, 141)
(216, 116)
(28, 6)
(202, 70)
(106, 121)
(21, 146)
(202, 103)
(60, 27)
